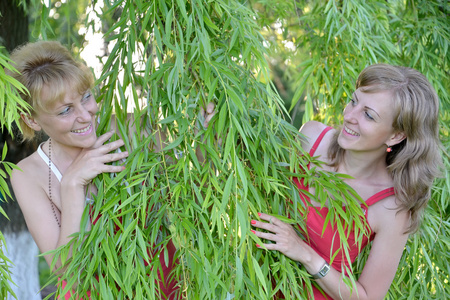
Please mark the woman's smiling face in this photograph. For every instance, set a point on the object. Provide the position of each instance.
(70, 121)
(368, 120)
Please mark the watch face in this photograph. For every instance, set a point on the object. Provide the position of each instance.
(324, 271)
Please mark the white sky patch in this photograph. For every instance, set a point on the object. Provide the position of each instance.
(94, 46)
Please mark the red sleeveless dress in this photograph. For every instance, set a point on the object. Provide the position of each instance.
(329, 243)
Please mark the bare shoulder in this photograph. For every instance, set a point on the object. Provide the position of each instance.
(385, 218)
(311, 130)
(29, 175)
(29, 165)
(25, 166)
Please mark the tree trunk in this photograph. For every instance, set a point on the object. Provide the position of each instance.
(21, 248)
(13, 25)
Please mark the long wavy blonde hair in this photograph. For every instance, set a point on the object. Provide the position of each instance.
(416, 161)
(47, 65)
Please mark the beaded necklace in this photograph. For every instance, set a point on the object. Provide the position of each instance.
(50, 181)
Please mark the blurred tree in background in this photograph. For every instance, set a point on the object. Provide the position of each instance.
(164, 60)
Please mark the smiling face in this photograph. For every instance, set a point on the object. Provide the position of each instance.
(69, 121)
(368, 120)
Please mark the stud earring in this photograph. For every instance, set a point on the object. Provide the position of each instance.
(388, 149)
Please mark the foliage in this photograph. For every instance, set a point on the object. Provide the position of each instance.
(5, 263)
(339, 39)
(62, 21)
(9, 100)
(168, 61)
(280, 28)
(170, 58)
(5, 273)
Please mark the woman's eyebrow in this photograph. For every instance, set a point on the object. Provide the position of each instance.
(356, 96)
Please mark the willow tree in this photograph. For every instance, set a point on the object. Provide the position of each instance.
(334, 41)
(168, 60)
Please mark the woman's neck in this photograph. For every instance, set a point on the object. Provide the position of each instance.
(62, 156)
(363, 165)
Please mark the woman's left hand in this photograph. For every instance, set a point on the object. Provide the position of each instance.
(285, 239)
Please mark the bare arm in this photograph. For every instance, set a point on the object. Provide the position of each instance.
(380, 267)
(37, 210)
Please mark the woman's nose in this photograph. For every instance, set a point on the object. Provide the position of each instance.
(84, 115)
(350, 113)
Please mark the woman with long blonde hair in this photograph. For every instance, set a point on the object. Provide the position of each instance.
(389, 145)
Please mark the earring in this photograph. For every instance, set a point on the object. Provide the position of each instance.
(388, 149)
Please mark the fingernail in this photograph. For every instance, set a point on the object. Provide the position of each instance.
(253, 231)
(258, 246)
(253, 222)
(259, 214)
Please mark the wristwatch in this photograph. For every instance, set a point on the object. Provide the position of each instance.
(322, 272)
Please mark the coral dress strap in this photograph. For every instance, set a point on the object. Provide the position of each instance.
(380, 196)
(319, 139)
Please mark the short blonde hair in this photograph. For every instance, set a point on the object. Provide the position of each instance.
(47, 65)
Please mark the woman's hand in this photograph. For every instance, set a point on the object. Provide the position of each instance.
(94, 161)
(285, 238)
(207, 114)
(203, 120)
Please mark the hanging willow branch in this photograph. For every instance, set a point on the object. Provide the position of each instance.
(169, 59)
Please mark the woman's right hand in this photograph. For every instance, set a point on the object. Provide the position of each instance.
(283, 238)
(94, 161)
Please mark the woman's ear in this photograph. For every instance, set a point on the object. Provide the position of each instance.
(397, 138)
(30, 121)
